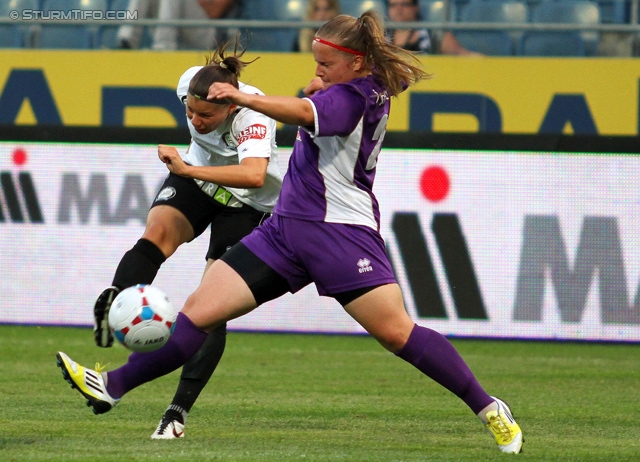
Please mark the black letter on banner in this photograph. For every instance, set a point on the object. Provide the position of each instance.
(418, 265)
(458, 267)
(11, 196)
(30, 198)
(115, 100)
(28, 84)
(569, 108)
(71, 194)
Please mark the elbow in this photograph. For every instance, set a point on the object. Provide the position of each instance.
(257, 181)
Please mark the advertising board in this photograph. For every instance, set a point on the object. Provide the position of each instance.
(498, 244)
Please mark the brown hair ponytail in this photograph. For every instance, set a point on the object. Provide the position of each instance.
(396, 67)
(220, 67)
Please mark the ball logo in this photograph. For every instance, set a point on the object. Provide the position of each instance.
(166, 194)
(150, 341)
(253, 132)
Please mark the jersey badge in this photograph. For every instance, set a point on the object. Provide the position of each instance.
(166, 194)
(229, 141)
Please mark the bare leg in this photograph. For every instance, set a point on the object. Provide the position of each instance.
(382, 313)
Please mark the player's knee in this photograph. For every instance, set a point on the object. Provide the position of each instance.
(166, 238)
(393, 339)
(199, 311)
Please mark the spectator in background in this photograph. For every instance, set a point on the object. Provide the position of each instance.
(317, 10)
(174, 38)
(131, 36)
(420, 40)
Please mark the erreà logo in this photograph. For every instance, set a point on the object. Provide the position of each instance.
(364, 265)
(19, 201)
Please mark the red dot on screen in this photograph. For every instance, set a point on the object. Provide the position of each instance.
(19, 156)
(434, 183)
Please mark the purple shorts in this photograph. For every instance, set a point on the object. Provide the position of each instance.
(336, 257)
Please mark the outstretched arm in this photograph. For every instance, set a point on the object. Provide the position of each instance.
(286, 109)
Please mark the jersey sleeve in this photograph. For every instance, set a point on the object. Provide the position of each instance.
(254, 133)
(338, 110)
(185, 80)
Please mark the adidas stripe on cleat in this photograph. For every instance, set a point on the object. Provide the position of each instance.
(88, 382)
(503, 427)
(101, 332)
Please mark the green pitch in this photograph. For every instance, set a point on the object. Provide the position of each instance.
(324, 398)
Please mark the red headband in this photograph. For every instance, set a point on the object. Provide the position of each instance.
(338, 47)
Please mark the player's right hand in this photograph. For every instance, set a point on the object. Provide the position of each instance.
(171, 158)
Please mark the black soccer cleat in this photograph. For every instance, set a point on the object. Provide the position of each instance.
(101, 332)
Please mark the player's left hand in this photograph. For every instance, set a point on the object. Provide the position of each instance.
(225, 92)
(314, 86)
(172, 159)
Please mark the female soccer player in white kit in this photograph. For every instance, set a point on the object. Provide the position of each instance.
(229, 180)
(324, 229)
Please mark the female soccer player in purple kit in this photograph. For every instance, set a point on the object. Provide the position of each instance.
(324, 229)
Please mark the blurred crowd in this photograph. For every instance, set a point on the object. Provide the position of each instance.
(436, 40)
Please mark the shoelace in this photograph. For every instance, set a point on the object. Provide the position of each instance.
(100, 368)
(498, 426)
(163, 425)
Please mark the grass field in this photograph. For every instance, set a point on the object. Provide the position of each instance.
(325, 398)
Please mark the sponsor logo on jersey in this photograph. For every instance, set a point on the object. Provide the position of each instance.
(365, 265)
(166, 194)
(252, 132)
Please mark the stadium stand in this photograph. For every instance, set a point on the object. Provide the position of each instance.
(108, 35)
(357, 7)
(57, 36)
(562, 43)
(614, 11)
(13, 36)
(551, 42)
(492, 42)
(273, 39)
(433, 10)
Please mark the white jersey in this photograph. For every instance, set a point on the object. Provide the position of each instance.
(246, 133)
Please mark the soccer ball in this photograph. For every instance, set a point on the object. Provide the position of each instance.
(142, 318)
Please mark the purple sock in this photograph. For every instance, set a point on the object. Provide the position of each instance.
(144, 367)
(437, 358)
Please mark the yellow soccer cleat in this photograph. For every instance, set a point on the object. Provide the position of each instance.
(88, 382)
(504, 428)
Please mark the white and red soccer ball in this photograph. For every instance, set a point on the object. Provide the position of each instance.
(142, 318)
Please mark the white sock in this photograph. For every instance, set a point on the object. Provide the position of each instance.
(482, 415)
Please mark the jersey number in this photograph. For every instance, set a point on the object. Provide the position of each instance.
(378, 135)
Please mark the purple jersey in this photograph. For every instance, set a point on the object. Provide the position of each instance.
(333, 164)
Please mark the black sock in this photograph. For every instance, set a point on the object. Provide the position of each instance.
(139, 265)
(198, 370)
(176, 413)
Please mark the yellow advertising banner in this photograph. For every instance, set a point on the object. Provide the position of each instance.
(465, 94)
